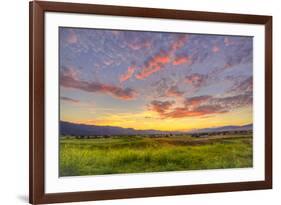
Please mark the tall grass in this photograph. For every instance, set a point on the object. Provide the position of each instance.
(136, 155)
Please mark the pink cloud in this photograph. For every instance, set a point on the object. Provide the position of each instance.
(69, 81)
(228, 42)
(157, 62)
(72, 37)
(139, 45)
(215, 49)
(128, 74)
(201, 106)
(178, 43)
(153, 65)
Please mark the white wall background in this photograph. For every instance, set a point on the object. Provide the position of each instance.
(14, 101)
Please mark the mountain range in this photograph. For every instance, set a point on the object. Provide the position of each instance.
(68, 128)
(224, 129)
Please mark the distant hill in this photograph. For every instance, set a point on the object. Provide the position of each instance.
(67, 128)
(224, 129)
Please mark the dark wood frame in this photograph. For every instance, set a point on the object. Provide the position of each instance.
(37, 95)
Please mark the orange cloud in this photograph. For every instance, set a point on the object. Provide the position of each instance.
(195, 101)
(153, 65)
(182, 60)
(128, 74)
(181, 112)
(161, 107)
(201, 106)
(174, 92)
(68, 80)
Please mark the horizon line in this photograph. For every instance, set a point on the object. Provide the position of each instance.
(251, 123)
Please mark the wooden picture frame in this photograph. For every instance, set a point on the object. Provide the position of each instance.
(37, 12)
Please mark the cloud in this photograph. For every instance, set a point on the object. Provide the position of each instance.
(108, 62)
(215, 49)
(160, 87)
(178, 43)
(181, 112)
(228, 42)
(69, 81)
(153, 65)
(174, 91)
(139, 45)
(196, 79)
(195, 101)
(71, 37)
(182, 60)
(162, 58)
(70, 72)
(233, 102)
(115, 32)
(126, 76)
(245, 86)
(160, 107)
(69, 99)
(240, 54)
(201, 106)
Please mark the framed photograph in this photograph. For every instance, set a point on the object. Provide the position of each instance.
(138, 102)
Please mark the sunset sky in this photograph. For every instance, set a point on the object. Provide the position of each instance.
(155, 80)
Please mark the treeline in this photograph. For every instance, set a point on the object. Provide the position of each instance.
(206, 134)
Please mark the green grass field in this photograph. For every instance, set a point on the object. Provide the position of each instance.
(146, 154)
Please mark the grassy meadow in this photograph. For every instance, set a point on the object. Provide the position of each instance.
(137, 154)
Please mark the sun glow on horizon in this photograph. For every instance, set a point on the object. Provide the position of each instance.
(149, 120)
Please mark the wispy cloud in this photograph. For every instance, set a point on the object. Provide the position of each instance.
(196, 80)
(68, 80)
(201, 106)
(179, 42)
(240, 54)
(178, 60)
(195, 101)
(126, 76)
(71, 100)
(174, 91)
(139, 45)
(246, 86)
